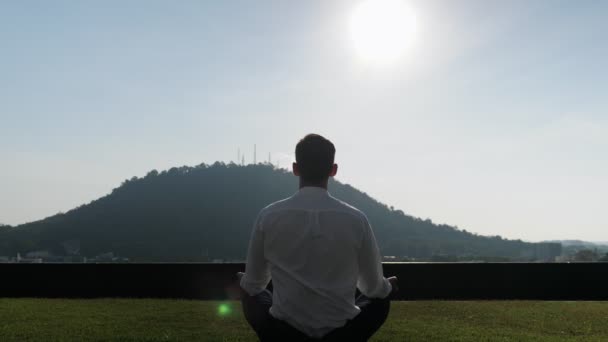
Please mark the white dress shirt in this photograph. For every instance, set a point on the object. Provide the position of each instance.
(317, 249)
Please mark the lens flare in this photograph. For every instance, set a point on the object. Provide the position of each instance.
(224, 309)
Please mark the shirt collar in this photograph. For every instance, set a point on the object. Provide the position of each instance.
(312, 191)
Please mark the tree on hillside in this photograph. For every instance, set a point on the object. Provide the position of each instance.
(586, 255)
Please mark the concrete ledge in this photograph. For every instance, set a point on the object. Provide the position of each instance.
(449, 281)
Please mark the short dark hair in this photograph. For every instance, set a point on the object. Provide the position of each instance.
(315, 157)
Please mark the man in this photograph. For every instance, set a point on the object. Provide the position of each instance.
(317, 250)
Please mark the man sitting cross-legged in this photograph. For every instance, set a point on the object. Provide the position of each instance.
(318, 250)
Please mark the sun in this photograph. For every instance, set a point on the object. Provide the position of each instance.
(382, 30)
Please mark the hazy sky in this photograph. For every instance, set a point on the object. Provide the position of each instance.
(494, 119)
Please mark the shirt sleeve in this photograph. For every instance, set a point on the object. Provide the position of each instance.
(257, 270)
(371, 281)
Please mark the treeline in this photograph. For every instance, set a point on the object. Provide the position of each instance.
(206, 212)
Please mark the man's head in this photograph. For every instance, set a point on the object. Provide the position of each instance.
(315, 160)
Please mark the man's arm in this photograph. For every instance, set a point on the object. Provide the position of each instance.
(257, 270)
(371, 281)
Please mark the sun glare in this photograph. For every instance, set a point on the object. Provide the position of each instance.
(382, 30)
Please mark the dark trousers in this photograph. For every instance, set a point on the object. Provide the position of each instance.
(373, 314)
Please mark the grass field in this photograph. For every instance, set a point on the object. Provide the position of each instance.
(184, 320)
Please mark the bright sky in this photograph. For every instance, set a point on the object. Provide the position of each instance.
(494, 117)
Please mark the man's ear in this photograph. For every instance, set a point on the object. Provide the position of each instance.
(296, 170)
(334, 170)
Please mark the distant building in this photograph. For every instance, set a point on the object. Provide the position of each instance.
(28, 260)
(38, 254)
(105, 257)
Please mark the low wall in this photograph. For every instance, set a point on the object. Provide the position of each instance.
(450, 281)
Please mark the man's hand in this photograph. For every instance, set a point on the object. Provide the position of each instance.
(394, 284)
(240, 293)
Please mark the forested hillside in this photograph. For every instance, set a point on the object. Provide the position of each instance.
(206, 212)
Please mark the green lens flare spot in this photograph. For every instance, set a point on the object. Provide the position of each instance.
(224, 309)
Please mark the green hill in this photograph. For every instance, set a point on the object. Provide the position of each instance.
(206, 212)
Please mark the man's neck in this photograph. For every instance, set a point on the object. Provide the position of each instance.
(316, 184)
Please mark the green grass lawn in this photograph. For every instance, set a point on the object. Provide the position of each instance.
(185, 320)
